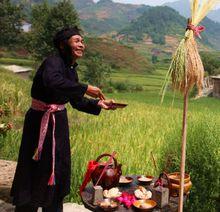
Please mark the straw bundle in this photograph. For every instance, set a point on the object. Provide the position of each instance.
(186, 69)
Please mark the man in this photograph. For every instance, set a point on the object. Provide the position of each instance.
(42, 177)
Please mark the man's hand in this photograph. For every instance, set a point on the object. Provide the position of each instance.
(107, 104)
(95, 92)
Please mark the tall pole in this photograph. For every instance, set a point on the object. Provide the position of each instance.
(183, 151)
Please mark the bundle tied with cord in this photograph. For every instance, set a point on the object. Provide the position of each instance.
(186, 69)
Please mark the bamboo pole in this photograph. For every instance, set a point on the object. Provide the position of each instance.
(183, 151)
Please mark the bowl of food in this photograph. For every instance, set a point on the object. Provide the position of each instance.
(175, 177)
(144, 205)
(142, 193)
(174, 185)
(124, 180)
(144, 180)
(108, 205)
(112, 193)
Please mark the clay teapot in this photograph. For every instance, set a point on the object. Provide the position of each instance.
(110, 176)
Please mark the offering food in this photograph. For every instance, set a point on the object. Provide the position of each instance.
(142, 193)
(112, 193)
(144, 205)
(125, 180)
(108, 205)
(145, 179)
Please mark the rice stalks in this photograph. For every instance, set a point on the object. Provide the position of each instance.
(186, 68)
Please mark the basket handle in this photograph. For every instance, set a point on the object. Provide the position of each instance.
(106, 165)
(109, 155)
(168, 180)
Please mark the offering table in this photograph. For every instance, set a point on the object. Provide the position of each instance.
(87, 195)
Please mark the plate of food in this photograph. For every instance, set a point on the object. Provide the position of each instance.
(144, 205)
(145, 179)
(124, 180)
(142, 193)
(119, 105)
(108, 205)
(112, 193)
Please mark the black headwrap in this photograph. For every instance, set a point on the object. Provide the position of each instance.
(65, 34)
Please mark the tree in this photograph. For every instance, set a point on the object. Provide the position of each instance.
(10, 23)
(96, 71)
(211, 63)
(46, 21)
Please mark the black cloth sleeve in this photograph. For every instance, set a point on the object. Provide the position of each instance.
(86, 105)
(53, 77)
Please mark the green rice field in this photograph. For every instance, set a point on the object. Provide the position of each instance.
(145, 126)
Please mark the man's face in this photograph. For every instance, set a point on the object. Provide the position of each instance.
(77, 46)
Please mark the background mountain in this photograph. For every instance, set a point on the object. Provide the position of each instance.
(106, 16)
(215, 15)
(135, 22)
(80, 4)
(183, 7)
(156, 23)
(159, 22)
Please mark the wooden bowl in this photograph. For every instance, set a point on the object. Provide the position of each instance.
(144, 205)
(108, 205)
(125, 180)
(145, 180)
(174, 188)
(175, 177)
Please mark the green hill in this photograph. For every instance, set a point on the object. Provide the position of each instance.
(106, 16)
(119, 56)
(158, 22)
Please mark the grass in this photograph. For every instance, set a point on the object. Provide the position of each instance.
(148, 81)
(16, 61)
(143, 127)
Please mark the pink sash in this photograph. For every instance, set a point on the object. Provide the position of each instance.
(49, 110)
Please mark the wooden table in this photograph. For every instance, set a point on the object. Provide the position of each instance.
(87, 194)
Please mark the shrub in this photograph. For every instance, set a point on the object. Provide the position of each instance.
(121, 86)
(124, 87)
(211, 62)
(202, 162)
(96, 71)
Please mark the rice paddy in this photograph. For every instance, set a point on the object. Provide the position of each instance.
(143, 127)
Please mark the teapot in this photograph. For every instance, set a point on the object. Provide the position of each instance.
(110, 174)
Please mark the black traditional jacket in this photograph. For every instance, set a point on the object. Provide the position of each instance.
(55, 82)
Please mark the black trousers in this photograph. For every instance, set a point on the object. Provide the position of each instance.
(29, 208)
(56, 206)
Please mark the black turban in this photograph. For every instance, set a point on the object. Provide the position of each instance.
(65, 34)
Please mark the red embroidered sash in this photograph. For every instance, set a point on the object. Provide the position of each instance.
(49, 110)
